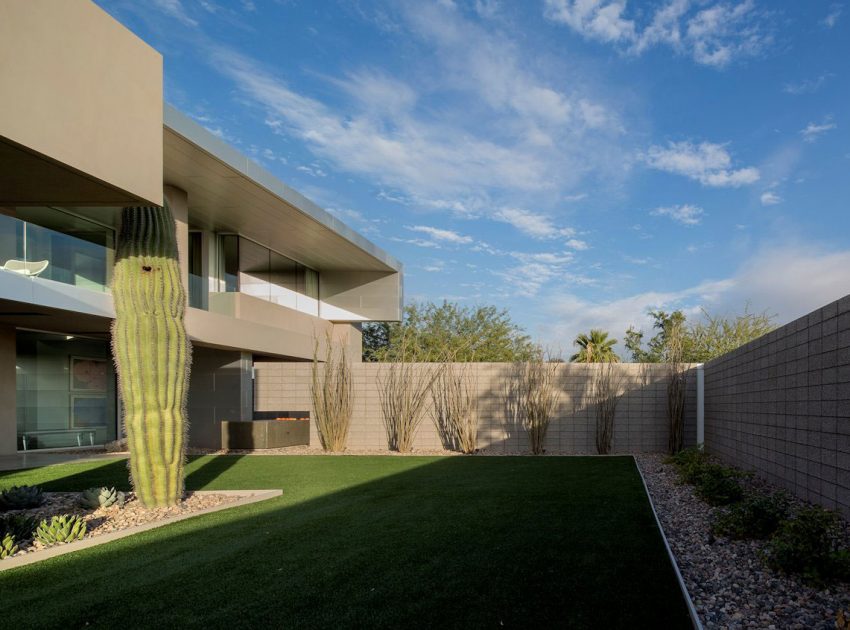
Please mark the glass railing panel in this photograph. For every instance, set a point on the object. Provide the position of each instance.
(35, 251)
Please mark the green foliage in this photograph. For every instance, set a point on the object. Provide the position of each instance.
(713, 483)
(718, 485)
(101, 498)
(21, 498)
(595, 347)
(61, 529)
(807, 545)
(432, 332)
(702, 341)
(8, 547)
(757, 516)
(151, 352)
(19, 526)
(690, 463)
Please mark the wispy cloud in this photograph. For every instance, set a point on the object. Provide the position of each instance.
(813, 131)
(770, 198)
(807, 86)
(176, 10)
(714, 35)
(685, 214)
(831, 18)
(708, 163)
(534, 224)
(447, 236)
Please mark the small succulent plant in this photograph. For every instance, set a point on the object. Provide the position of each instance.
(8, 547)
(102, 498)
(18, 526)
(21, 498)
(61, 529)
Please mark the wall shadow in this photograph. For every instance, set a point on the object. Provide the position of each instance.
(382, 542)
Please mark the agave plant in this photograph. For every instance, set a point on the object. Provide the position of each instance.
(21, 498)
(8, 547)
(18, 526)
(61, 529)
(102, 498)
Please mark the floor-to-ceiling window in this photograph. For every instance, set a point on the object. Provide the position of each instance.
(198, 283)
(58, 245)
(65, 391)
(250, 268)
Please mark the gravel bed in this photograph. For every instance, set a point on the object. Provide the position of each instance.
(111, 519)
(729, 583)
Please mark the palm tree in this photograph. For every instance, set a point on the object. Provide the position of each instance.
(595, 348)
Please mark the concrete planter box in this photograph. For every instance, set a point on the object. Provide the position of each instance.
(258, 434)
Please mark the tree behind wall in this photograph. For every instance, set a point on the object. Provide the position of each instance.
(152, 352)
(430, 331)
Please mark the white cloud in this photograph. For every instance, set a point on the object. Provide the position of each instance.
(831, 18)
(531, 223)
(770, 198)
(577, 244)
(810, 280)
(176, 10)
(685, 214)
(312, 170)
(715, 35)
(708, 163)
(438, 234)
(813, 130)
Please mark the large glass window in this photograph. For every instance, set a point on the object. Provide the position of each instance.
(57, 245)
(198, 284)
(250, 268)
(65, 391)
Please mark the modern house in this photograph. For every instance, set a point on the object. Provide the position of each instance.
(84, 132)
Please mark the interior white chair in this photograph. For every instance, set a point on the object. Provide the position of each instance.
(26, 268)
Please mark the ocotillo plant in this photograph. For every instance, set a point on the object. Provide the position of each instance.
(152, 352)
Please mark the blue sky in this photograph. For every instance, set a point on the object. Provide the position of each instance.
(578, 162)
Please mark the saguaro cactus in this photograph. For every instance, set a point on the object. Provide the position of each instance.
(152, 352)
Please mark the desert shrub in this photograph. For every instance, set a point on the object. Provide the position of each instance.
(718, 485)
(331, 393)
(757, 516)
(689, 463)
(808, 545)
(531, 395)
(455, 406)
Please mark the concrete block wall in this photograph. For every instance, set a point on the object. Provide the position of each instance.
(640, 423)
(780, 406)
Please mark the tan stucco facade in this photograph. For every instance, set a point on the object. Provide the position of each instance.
(82, 105)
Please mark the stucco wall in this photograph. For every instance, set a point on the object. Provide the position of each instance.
(82, 90)
(640, 424)
(780, 406)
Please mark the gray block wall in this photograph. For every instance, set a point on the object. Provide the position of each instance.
(780, 406)
(640, 423)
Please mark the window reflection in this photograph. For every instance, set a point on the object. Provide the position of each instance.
(250, 268)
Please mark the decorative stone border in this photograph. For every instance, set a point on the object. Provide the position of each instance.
(247, 497)
(695, 620)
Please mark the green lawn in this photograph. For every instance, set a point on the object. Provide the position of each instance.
(392, 542)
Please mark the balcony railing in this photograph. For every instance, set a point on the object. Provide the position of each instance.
(81, 256)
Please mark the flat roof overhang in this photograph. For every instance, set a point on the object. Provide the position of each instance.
(228, 192)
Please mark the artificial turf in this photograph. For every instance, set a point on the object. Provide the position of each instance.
(391, 542)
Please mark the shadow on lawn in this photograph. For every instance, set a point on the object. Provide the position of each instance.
(453, 542)
(200, 473)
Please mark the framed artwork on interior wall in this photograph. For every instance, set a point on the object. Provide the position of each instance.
(89, 374)
(88, 411)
